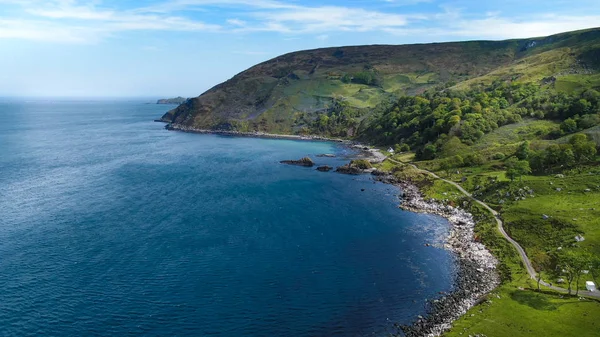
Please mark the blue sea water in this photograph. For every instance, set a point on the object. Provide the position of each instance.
(111, 225)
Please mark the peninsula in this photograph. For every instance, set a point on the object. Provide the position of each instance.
(175, 100)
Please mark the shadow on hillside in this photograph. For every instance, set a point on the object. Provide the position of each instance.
(534, 300)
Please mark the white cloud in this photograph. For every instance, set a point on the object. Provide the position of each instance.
(237, 22)
(74, 21)
(498, 28)
(66, 21)
(503, 28)
(44, 31)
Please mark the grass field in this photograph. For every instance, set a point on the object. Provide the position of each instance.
(516, 308)
(525, 313)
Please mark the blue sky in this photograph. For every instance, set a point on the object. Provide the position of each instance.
(183, 47)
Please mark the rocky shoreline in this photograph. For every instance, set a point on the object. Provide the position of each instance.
(476, 274)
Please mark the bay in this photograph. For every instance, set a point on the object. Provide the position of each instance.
(112, 225)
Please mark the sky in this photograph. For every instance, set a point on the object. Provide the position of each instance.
(165, 48)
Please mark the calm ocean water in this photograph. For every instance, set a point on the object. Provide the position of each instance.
(111, 225)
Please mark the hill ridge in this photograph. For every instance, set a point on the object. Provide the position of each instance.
(289, 93)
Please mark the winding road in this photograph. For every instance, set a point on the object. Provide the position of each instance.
(520, 249)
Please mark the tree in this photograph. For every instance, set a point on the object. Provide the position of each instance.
(455, 119)
(429, 152)
(517, 168)
(583, 149)
(595, 268)
(445, 166)
(451, 162)
(580, 107)
(399, 148)
(523, 151)
(474, 159)
(573, 263)
(541, 263)
(569, 126)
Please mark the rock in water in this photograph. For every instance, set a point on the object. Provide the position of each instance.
(324, 168)
(306, 161)
(327, 155)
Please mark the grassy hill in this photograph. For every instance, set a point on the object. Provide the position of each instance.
(292, 93)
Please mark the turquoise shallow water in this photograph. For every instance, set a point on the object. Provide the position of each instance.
(112, 225)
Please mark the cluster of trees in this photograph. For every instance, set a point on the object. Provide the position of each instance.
(580, 150)
(421, 120)
(367, 77)
(559, 105)
(424, 118)
(337, 121)
(572, 263)
(516, 168)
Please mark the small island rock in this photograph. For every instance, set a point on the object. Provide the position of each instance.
(306, 161)
(324, 168)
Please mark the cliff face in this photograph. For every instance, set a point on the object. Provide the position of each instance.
(288, 92)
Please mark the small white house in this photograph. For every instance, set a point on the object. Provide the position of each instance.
(589, 285)
(391, 151)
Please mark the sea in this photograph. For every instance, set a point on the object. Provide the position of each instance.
(111, 225)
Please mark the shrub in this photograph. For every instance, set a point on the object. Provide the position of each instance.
(498, 156)
(474, 160)
(401, 148)
(362, 164)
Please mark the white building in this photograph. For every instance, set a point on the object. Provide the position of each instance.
(390, 150)
(590, 286)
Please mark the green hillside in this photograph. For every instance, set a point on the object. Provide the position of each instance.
(301, 92)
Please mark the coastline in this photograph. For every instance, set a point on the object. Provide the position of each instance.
(476, 267)
(256, 134)
(366, 152)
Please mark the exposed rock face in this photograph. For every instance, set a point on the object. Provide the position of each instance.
(324, 168)
(306, 161)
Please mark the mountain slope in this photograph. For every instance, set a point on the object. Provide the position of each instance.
(290, 92)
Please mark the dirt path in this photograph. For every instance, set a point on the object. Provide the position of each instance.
(520, 249)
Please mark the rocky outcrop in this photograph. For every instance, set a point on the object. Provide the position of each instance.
(348, 169)
(324, 168)
(357, 166)
(306, 162)
(326, 155)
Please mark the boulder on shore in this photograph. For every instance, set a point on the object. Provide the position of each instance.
(306, 161)
(324, 168)
(349, 169)
(357, 166)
